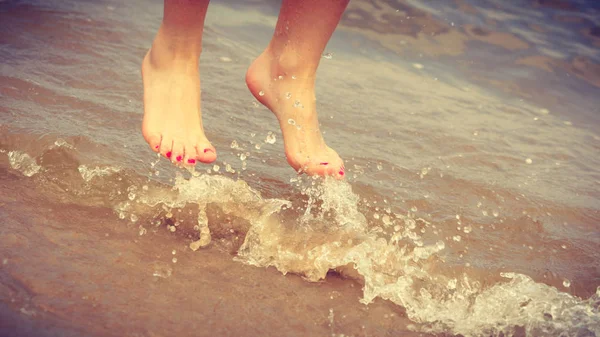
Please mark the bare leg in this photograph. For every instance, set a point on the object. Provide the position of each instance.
(283, 79)
(172, 122)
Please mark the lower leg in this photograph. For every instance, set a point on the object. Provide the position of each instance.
(172, 123)
(302, 32)
(283, 79)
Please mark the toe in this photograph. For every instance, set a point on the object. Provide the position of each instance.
(191, 155)
(331, 166)
(206, 153)
(337, 170)
(166, 148)
(178, 152)
(341, 173)
(154, 141)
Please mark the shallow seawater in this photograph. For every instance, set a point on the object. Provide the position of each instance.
(471, 207)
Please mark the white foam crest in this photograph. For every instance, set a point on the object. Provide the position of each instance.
(232, 197)
(23, 163)
(89, 173)
(539, 309)
(62, 143)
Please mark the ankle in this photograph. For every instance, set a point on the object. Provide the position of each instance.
(288, 63)
(177, 49)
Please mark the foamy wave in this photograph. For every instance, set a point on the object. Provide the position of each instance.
(537, 308)
(62, 143)
(89, 173)
(332, 234)
(232, 197)
(398, 269)
(23, 163)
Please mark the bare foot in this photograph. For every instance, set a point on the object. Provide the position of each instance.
(172, 122)
(290, 94)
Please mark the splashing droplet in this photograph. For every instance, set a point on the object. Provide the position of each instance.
(270, 138)
(174, 260)
(161, 269)
(257, 146)
(234, 144)
(328, 56)
(528, 161)
(216, 168)
(413, 209)
(291, 122)
(288, 95)
(243, 156)
(280, 77)
(379, 166)
(294, 77)
(297, 104)
(566, 283)
(261, 93)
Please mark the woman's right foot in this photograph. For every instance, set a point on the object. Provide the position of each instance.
(289, 93)
(172, 123)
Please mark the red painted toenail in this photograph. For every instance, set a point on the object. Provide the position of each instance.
(206, 150)
(341, 173)
(192, 161)
(179, 158)
(324, 163)
(156, 147)
(168, 154)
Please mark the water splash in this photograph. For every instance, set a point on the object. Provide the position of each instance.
(23, 163)
(332, 234)
(270, 139)
(89, 173)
